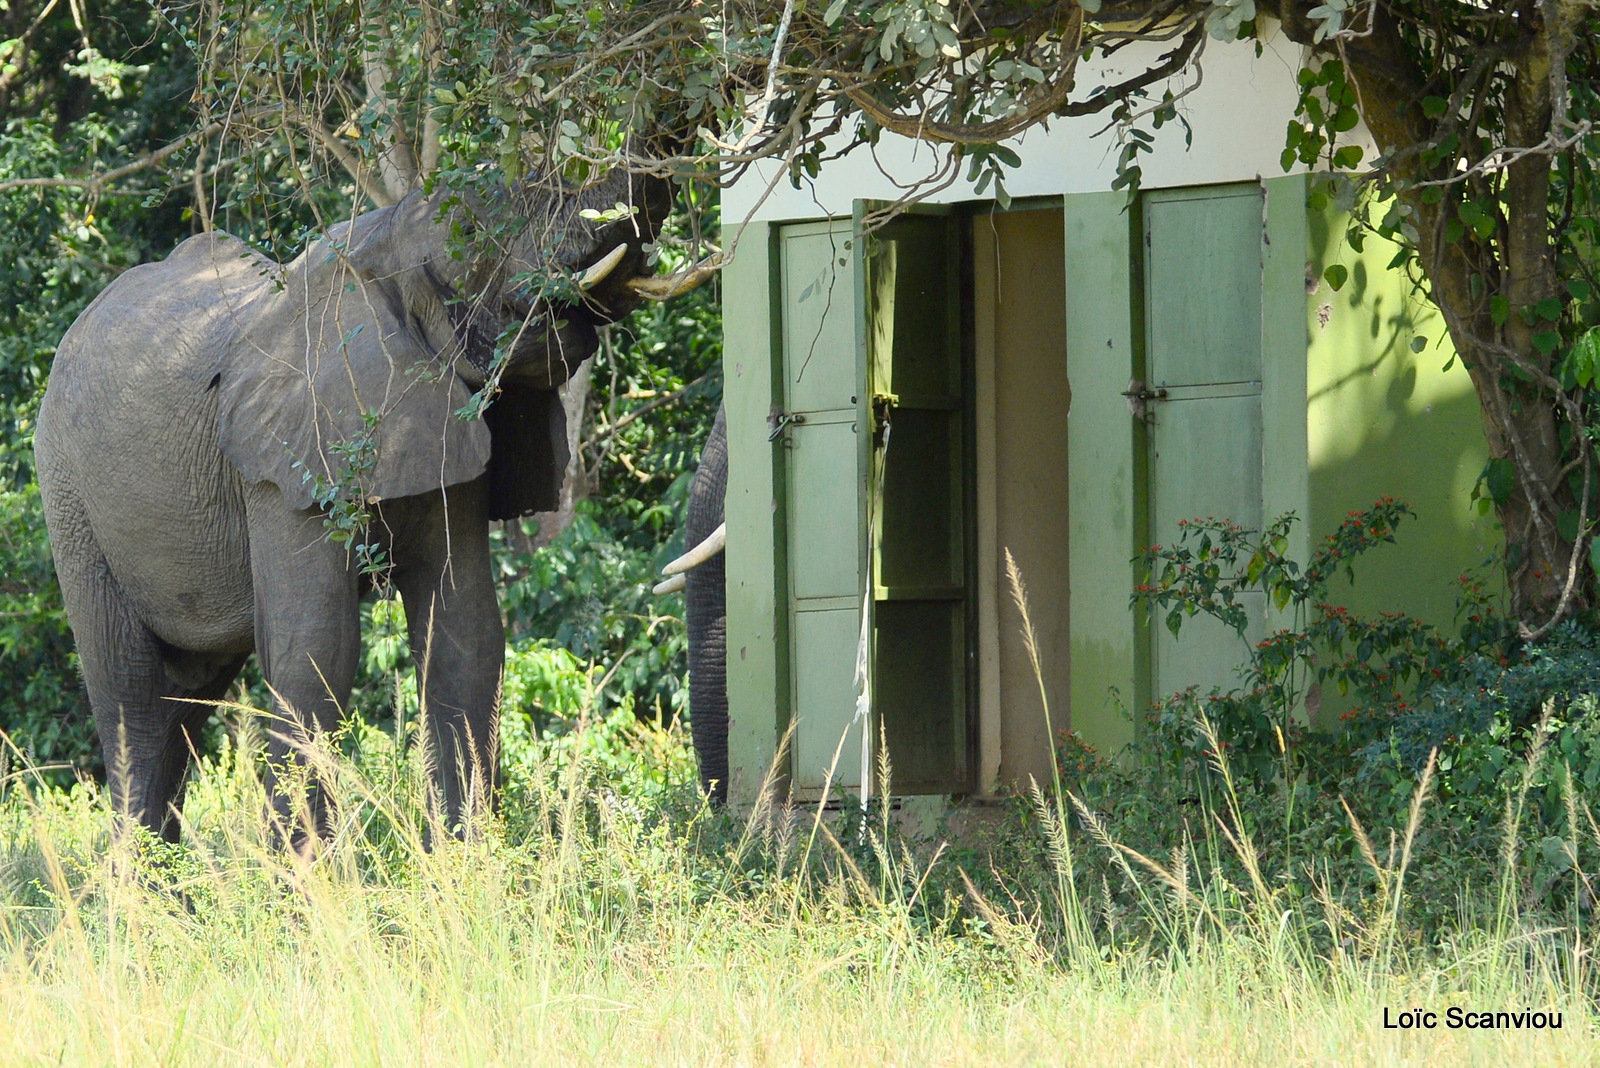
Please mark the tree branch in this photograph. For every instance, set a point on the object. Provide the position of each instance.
(397, 158)
(96, 184)
(373, 189)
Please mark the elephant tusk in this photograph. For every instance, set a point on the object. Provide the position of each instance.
(700, 553)
(669, 585)
(600, 268)
(667, 286)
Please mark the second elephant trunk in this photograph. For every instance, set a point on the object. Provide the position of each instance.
(705, 594)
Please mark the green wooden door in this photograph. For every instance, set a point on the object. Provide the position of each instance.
(825, 450)
(1203, 270)
(919, 536)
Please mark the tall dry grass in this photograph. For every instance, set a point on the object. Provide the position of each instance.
(606, 917)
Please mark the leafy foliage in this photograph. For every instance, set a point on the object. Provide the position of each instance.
(1496, 725)
(1485, 178)
(42, 706)
(57, 250)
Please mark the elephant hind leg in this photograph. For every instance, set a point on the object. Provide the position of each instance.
(170, 737)
(148, 722)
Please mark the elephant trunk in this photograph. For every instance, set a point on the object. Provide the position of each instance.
(706, 600)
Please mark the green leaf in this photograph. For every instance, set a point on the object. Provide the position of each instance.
(1546, 343)
(1548, 309)
(1280, 596)
(1567, 525)
(1348, 157)
(1419, 343)
(1337, 274)
(1175, 621)
(1499, 309)
(835, 9)
(1499, 477)
(1584, 360)
(1434, 106)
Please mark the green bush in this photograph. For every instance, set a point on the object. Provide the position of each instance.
(43, 707)
(589, 592)
(1505, 735)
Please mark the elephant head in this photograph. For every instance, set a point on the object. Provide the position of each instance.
(364, 382)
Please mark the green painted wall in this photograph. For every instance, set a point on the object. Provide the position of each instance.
(1284, 482)
(1385, 420)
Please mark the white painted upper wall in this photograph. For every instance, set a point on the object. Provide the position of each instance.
(1238, 115)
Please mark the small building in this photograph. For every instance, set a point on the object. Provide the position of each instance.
(906, 408)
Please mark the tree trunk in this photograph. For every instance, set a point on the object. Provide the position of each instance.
(397, 159)
(1513, 380)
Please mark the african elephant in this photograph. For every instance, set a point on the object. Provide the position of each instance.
(209, 414)
(704, 582)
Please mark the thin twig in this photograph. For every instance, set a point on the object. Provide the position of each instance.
(648, 406)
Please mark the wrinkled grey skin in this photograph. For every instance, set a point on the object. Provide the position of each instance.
(196, 407)
(706, 601)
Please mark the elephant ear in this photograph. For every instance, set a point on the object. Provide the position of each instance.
(528, 427)
(327, 393)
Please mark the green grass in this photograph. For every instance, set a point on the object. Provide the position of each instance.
(606, 918)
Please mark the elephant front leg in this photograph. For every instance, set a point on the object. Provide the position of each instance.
(308, 640)
(442, 569)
